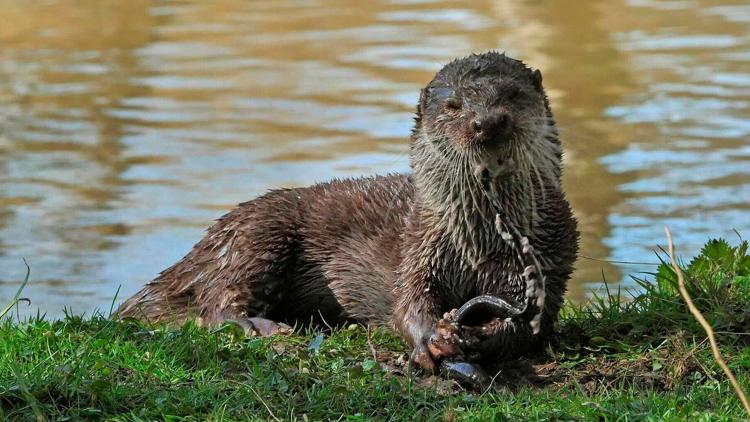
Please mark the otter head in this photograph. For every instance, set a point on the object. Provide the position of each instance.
(485, 117)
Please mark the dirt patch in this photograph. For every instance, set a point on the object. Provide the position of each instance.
(660, 369)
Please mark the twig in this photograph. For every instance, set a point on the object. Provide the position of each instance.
(264, 403)
(706, 326)
(372, 346)
(322, 318)
(491, 384)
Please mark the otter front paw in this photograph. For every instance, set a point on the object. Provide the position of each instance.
(436, 344)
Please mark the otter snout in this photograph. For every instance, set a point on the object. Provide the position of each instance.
(492, 128)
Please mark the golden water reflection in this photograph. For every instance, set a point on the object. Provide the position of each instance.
(126, 127)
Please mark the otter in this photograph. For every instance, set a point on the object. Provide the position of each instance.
(401, 250)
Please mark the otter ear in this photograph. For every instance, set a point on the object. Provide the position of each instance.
(536, 78)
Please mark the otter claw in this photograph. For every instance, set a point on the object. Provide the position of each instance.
(421, 359)
(444, 341)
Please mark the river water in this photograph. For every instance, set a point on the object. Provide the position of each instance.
(126, 127)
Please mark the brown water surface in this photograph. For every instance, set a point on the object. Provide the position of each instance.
(127, 126)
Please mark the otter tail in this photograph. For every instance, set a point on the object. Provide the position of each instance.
(154, 305)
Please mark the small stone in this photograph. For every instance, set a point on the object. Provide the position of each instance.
(401, 361)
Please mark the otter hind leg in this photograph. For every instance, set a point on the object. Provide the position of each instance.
(241, 270)
(252, 276)
(260, 326)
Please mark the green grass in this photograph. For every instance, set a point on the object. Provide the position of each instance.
(622, 357)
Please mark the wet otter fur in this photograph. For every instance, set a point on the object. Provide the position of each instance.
(399, 250)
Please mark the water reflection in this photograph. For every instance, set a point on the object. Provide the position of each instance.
(686, 164)
(126, 127)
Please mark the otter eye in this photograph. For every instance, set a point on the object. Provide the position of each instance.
(453, 103)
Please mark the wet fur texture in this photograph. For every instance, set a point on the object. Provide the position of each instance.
(398, 250)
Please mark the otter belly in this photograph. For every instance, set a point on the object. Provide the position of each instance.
(354, 285)
(325, 253)
(349, 251)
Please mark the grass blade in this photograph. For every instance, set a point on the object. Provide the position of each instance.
(17, 297)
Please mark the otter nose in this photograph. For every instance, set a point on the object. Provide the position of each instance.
(492, 125)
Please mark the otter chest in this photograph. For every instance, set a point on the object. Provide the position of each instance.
(458, 280)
